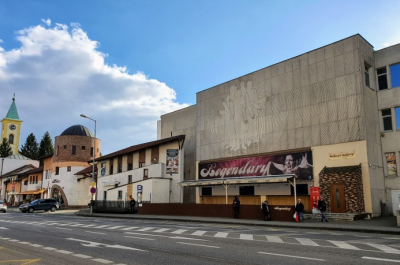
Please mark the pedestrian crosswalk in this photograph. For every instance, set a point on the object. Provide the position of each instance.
(289, 238)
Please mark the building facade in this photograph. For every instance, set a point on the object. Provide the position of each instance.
(316, 115)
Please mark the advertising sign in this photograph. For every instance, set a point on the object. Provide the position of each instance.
(296, 163)
(314, 196)
(391, 163)
(172, 161)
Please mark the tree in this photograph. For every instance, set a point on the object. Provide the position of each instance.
(5, 148)
(31, 148)
(46, 145)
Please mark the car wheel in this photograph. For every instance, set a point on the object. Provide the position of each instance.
(53, 209)
(4, 211)
(23, 211)
(30, 210)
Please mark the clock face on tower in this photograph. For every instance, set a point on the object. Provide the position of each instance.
(12, 127)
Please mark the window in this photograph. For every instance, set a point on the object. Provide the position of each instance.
(91, 151)
(65, 146)
(246, 190)
(57, 150)
(25, 182)
(111, 169)
(119, 168)
(37, 179)
(68, 168)
(73, 150)
(387, 119)
(11, 139)
(83, 147)
(145, 173)
(207, 191)
(129, 178)
(120, 194)
(130, 166)
(391, 163)
(395, 75)
(105, 195)
(57, 170)
(30, 179)
(141, 164)
(382, 78)
(301, 189)
(366, 72)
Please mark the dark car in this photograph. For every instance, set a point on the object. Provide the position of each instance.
(40, 204)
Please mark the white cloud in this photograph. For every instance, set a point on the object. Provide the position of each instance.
(58, 73)
(47, 21)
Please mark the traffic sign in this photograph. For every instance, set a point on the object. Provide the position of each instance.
(92, 190)
(93, 184)
(139, 188)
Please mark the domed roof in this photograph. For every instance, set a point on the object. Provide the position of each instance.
(77, 130)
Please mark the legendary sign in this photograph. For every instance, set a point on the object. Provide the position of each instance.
(297, 163)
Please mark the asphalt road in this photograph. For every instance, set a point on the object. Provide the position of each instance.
(52, 238)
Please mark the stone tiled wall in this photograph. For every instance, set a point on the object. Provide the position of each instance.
(78, 141)
(353, 188)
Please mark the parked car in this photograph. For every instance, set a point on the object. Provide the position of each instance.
(40, 204)
(3, 206)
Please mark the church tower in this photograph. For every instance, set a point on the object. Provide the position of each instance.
(11, 127)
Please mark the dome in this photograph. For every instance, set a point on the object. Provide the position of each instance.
(77, 130)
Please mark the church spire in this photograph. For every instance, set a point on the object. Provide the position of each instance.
(12, 112)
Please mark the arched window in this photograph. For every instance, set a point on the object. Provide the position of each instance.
(11, 139)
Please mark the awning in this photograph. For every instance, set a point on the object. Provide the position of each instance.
(238, 180)
(33, 192)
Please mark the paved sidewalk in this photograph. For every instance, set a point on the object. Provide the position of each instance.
(382, 225)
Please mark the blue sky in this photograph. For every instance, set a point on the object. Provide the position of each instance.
(125, 63)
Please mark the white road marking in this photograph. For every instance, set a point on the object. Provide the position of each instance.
(101, 226)
(129, 228)
(115, 227)
(49, 248)
(188, 238)
(179, 231)
(96, 244)
(344, 245)
(197, 245)
(77, 225)
(221, 234)
(275, 239)
(103, 261)
(64, 251)
(4, 228)
(384, 248)
(172, 237)
(36, 245)
(95, 232)
(306, 242)
(145, 229)
(161, 230)
(199, 233)
(246, 237)
(140, 237)
(82, 256)
(390, 260)
(5, 238)
(13, 240)
(88, 225)
(25, 243)
(289, 256)
(63, 228)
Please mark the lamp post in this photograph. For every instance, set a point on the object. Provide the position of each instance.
(94, 157)
(1, 177)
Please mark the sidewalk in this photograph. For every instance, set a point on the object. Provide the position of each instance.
(381, 225)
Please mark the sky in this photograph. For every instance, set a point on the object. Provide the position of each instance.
(126, 63)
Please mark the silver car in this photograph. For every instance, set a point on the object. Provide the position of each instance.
(3, 206)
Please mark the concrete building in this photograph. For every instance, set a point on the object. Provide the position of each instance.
(317, 115)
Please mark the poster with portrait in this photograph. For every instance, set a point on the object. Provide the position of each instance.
(300, 164)
(391, 163)
(172, 161)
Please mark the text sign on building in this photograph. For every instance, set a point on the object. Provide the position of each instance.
(139, 188)
(295, 163)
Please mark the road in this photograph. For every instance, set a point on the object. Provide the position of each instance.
(53, 238)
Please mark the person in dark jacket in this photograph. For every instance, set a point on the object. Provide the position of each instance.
(235, 205)
(299, 209)
(265, 209)
(132, 203)
(322, 208)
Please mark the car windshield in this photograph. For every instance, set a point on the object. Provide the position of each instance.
(35, 201)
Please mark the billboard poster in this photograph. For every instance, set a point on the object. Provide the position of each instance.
(172, 161)
(295, 163)
(314, 196)
(391, 163)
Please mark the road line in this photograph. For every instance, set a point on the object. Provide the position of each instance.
(13, 240)
(289, 256)
(64, 251)
(115, 227)
(246, 237)
(199, 233)
(344, 245)
(77, 225)
(390, 260)
(82, 256)
(306, 242)
(63, 228)
(187, 238)
(36, 245)
(197, 245)
(221, 234)
(275, 239)
(140, 234)
(96, 232)
(101, 226)
(145, 229)
(384, 248)
(88, 225)
(25, 243)
(161, 230)
(140, 237)
(179, 231)
(129, 228)
(103, 261)
(49, 248)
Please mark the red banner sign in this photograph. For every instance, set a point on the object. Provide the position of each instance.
(314, 196)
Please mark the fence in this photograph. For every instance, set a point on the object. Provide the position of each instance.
(111, 206)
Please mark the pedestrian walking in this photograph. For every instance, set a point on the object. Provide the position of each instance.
(235, 205)
(299, 209)
(322, 208)
(60, 202)
(132, 203)
(266, 212)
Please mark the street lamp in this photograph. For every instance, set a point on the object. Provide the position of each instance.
(1, 177)
(94, 158)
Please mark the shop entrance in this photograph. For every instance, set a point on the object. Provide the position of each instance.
(338, 202)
